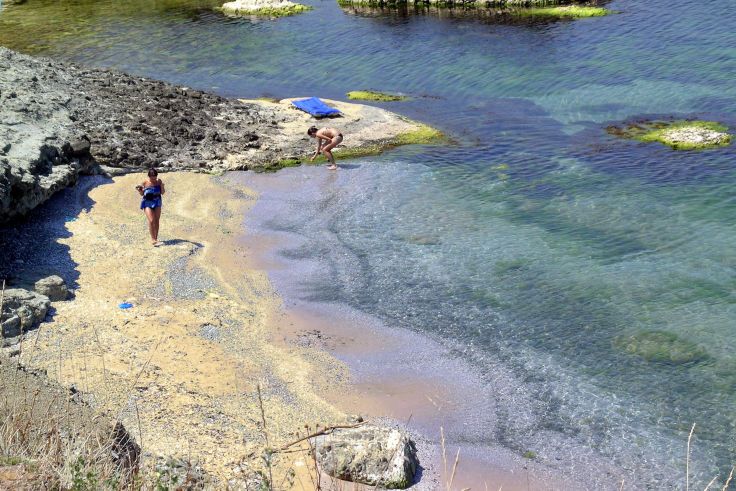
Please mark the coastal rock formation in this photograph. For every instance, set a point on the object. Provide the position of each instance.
(22, 310)
(266, 8)
(60, 120)
(372, 455)
(677, 134)
(52, 287)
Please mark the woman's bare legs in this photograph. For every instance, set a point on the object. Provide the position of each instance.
(156, 222)
(326, 150)
(152, 223)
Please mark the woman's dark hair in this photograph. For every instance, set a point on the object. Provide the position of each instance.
(152, 172)
(312, 130)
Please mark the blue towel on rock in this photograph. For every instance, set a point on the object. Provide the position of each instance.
(315, 107)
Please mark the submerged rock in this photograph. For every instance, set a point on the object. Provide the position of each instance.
(661, 347)
(372, 455)
(52, 287)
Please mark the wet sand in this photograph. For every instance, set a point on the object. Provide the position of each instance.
(403, 377)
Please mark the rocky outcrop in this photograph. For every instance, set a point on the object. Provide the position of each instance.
(677, 134)
(52, 287)
(60, 120)
(266, 8)
(372, 455)
(22, 310)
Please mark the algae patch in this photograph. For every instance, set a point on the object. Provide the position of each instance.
(423, 135)
(660, 347)
(371, 95)
(679, 135)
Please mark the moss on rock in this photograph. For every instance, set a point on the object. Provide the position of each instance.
(660, 347)
(679, 134)
(423, 135)
(371, 95)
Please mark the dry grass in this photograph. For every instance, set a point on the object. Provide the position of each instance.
(51, 439)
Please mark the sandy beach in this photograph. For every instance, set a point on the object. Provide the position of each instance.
(182, 366)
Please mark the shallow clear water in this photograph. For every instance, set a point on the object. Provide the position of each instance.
(536, 239)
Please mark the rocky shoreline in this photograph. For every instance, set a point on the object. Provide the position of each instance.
(59, 120)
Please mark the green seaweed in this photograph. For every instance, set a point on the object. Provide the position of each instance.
(530, 455)
(564, 11)
(370, 95)
(660, 347)
(658, 131)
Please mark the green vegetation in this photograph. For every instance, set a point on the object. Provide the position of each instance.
(530, 455)
(370, 95)
(679, 135)
(661, 347)
(272, 12)
(564, 11)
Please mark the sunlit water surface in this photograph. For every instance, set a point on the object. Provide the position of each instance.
(536, 239)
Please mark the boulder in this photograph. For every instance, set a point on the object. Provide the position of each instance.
(372, 455)
(52, 287)
(22, 310)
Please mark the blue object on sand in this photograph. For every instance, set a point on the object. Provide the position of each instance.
(315, 107)
(125, 305)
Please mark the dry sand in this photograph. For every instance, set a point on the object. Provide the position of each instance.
(181, 368)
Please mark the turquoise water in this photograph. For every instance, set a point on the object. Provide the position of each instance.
(536, 239)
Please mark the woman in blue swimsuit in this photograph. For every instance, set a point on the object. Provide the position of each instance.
(151, 190)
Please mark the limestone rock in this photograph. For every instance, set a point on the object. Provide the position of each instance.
(263, 7)
(22, 310)
(52, 287)
(372, 455)
(696, 136)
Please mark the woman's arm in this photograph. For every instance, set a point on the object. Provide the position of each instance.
(319, 147)
(162, 186)
(140, 187)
